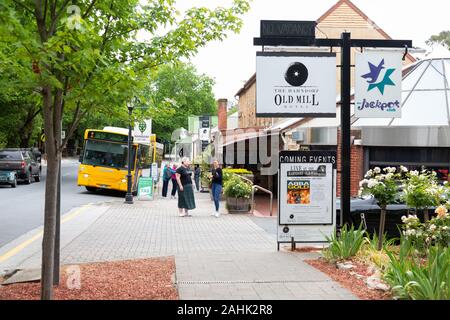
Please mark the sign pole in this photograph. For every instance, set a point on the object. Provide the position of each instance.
(302, 33)
(345, 127)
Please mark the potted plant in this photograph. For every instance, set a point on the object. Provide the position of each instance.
(384, 188)
(237, 192)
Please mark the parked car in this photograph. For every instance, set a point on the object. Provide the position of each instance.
(23, 162)
(8, 177)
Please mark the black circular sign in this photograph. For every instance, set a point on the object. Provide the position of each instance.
(291, 216)
(285, 229)
(297, 74)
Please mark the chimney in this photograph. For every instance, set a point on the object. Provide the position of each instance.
(222, 114)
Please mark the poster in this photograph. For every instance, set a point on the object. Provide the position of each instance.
(142, 131)
(378, 84)
(145, 188)
(291, 84)
(306, 196)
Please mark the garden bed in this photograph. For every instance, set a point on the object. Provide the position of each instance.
(353, 279)
(147, 279)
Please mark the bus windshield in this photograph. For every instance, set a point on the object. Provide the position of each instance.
(107, 154)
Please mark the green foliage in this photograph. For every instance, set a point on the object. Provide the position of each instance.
(228, 173)
(421, 190)
(235, 187)
(346, 245)
(175, 92)
(3, 140)
(415, 279)
(442, 38)
(382, 186)
(369, 253)
(97, 67)
(434, 232)
(237, 171)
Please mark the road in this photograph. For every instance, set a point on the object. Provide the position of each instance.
(22, 209)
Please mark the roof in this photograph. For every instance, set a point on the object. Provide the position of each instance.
(425, 97)
(247, 85)
(358, 11)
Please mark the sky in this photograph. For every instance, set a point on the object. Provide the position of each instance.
(232, 62)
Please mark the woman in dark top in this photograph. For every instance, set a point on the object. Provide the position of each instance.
(216, 186)
(186, 199)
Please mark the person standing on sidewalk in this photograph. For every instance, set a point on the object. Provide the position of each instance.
(167, 175)
(197, 177)
(173, 170)
(186, 199)
(216, 186)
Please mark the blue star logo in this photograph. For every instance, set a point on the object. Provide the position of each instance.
(374, 74)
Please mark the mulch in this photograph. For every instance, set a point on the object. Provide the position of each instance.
(146, 279)
(349, 280)
(308, 249)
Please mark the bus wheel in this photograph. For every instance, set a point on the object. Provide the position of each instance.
(91, 189)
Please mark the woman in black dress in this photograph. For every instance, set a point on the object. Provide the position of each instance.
(186, 199)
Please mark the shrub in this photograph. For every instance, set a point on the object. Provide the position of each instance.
(421, 190)
(435, 232)
(346, 245)
(384, 188)
(235, 187)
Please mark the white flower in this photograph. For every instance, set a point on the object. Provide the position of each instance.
(414, 173)
(410, 232)
(372, 183)
(389, 176)
(377, 170)
(369, 174)
(404, 219)
(363, 182)
(433, 227)
(403, 169)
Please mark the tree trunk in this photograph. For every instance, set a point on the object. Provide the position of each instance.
(27, 128)
(426, 215)
(381, 229)
(48, 242)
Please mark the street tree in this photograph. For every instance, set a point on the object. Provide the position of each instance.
(180, 92)
(442, 38)
(87, 56)
(20, 103)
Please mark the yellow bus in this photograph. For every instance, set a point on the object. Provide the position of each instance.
(104, 160)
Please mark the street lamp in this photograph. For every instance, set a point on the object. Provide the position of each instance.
(129, 195)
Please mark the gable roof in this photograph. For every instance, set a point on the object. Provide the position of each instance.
(247, 85)
(358, 11)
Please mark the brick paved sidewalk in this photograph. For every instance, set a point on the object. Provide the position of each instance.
(229, 257)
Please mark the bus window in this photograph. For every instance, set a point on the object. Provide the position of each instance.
(107, 154)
